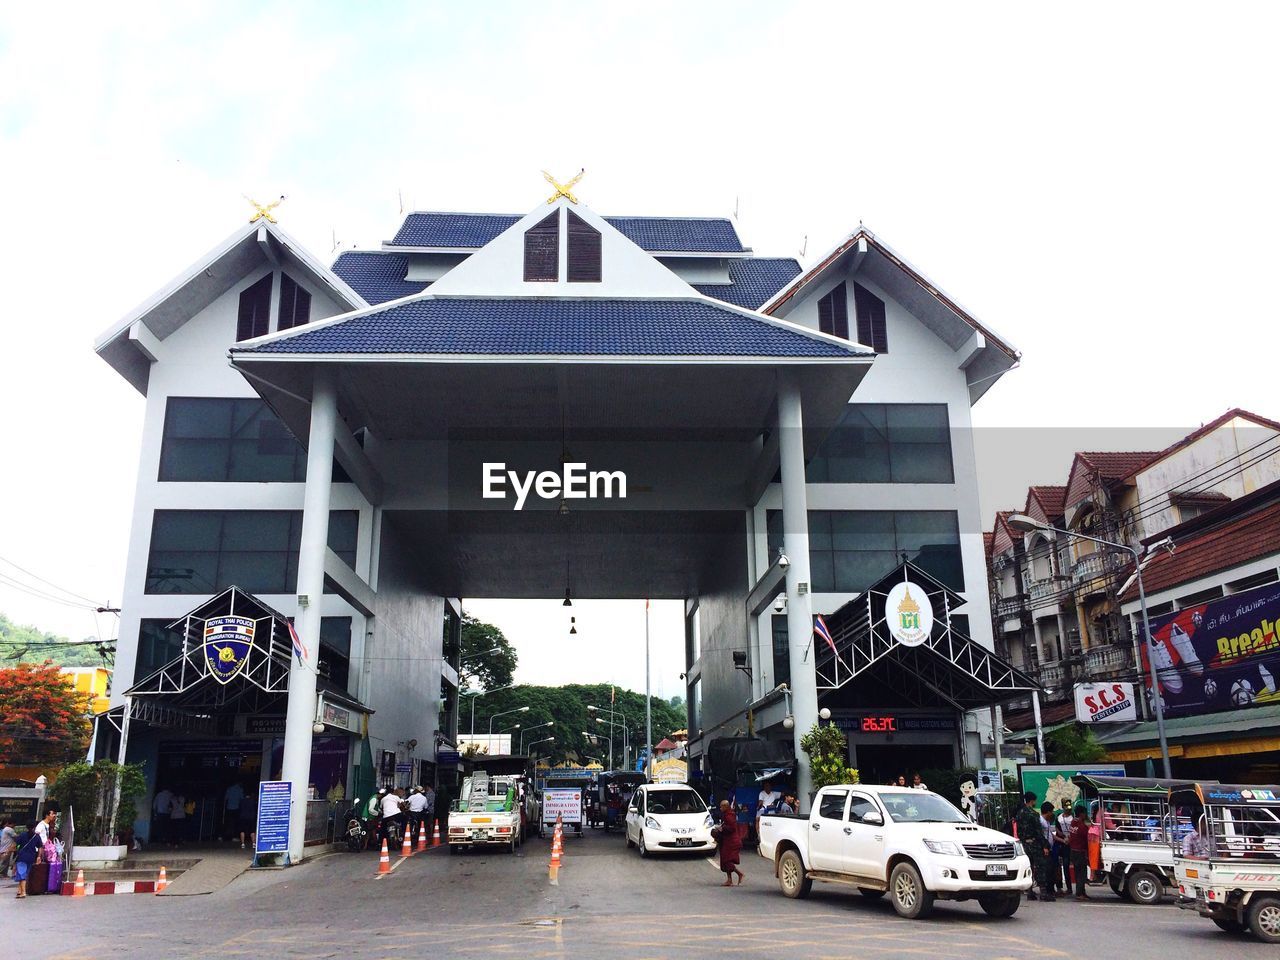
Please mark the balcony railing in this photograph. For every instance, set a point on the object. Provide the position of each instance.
(1051, 674)
(1046, 590)
(1094, 568)
(1108, 659)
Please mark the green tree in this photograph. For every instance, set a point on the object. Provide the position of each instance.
(828, 751)
(43, 720)
(488, 659)
(27, 644)
(89, 790)
(1074, 743)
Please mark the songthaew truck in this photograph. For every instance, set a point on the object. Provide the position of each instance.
(488, 811)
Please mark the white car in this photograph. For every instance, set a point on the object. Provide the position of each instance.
(911, 844)
(668, 818)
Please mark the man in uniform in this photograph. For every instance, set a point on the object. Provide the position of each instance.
(1028, 826)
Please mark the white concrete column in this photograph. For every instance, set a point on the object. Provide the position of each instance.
(315, 538)
(795, 540)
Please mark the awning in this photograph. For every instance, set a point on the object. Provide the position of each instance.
(204, 684)
(935, 662)
(1230, 733)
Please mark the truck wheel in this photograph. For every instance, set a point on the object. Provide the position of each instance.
(910, 898)
(1229, 924)
(871, 894)
(792, 878)
(1116, 882)
(1145, 887)
(1264, 918)
(1000, 904)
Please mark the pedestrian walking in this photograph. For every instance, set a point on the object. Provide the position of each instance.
(729, 837)
(177, 819)
(231, 801)
(1027, 826)
(1048, 834)
(429, 814)
(28, 853)
(8, 845)
(160, 809)
(1078, 845)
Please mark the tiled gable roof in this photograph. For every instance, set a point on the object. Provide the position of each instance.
(554, 326)
(752, 281)
(1116, 465)
(1236, 542)
(1050, 499)
(654, 234)
(377, 277)
(1207, 428)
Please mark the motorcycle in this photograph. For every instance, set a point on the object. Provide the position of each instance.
(357, 833)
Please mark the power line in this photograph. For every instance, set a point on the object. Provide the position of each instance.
(50, 583)
(9, 581)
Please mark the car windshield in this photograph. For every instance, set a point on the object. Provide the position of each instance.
(920, 806)
(674, 801)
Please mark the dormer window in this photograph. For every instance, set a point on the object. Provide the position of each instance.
(584, 251)
(833, 313)
(870, 311)
(295, 304)
(542, 250)
(254, 319)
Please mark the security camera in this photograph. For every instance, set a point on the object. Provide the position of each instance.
(412, 744)
(784, 561)
(780, 602)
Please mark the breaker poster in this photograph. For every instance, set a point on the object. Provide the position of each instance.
(1220, 655)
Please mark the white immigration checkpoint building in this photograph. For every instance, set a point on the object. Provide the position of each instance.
(350, 447)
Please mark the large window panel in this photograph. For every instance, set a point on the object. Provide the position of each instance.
(157, 645)
(206, 551)
(886, 443)
(781, 651)
(851, 549)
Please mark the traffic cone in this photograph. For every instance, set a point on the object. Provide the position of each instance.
(162, 881)
(406, 848)
(384, 860)
(78, 889)
(422, 836)
(435, 833)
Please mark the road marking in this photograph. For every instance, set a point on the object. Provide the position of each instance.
(379, 876)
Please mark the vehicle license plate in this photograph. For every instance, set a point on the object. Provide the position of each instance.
(997, 870)
(684, 841)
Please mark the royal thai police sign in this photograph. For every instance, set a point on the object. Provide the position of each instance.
(227, 642)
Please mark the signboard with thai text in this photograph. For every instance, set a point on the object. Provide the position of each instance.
(274, 801)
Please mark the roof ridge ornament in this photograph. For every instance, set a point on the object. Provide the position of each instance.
(263, 211)
(562, 189)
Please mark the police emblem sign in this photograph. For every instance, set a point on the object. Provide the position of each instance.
(227, 642)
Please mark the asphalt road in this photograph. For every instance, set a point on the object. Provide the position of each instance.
(609, 904)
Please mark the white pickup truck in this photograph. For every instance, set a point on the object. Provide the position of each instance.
(912, 844)
(488, 812)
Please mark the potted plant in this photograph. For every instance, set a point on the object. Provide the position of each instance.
(828, 751)
(104, 827)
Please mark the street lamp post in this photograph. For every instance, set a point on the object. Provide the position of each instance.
(1020, 521)
(473, 694)
(544, 740)
(503, 713)
(536, 726)
(625, 735)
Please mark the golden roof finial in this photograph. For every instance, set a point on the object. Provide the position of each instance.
(908, 604)
(563, 189)
(263, 212)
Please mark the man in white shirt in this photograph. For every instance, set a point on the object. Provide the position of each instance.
(417, 804)
(161, 806)
(391, 807)
(766, 802)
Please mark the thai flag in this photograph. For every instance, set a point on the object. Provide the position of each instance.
(820, 628)
(299, 648)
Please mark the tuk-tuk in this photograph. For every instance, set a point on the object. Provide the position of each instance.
(615, 790)
(1228, 866)
(1135, 832)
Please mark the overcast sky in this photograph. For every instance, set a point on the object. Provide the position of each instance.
(1095, 181)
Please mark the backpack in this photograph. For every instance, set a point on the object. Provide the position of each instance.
(30, 849)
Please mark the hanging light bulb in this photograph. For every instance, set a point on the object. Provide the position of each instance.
(567, 601)
(573, 625)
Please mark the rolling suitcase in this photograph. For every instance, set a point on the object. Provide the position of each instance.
(55, 877)
(38, 879)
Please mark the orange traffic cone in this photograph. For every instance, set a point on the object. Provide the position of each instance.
(78, 889)
(162, 881)
(435, 834)
(384, 860)
(406, 848)
(422, 836)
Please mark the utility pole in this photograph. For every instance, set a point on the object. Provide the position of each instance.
(648, 697)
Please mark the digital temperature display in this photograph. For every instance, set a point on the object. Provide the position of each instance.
(882, 724)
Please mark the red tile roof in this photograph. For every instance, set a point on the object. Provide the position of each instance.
(1052, 499)
(1237, 541)
(1209, 427)
(987, 539)
(1116, 465)
(1050, 714)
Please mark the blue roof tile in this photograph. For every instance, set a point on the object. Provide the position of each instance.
(551, 326)
(753, 281)
(377, 277)
(654, 234)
